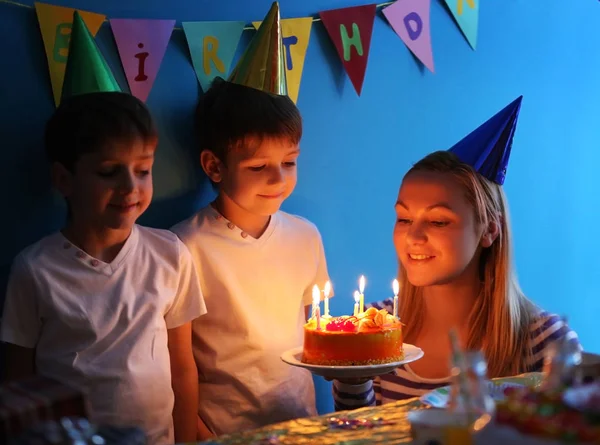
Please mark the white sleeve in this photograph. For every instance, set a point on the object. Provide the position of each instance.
(188, 303)
(21, 324)
(322, 275)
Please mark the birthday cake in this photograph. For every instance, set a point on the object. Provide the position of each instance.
(371, 337)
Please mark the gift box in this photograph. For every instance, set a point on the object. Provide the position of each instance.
(71, 431)
(26, 402)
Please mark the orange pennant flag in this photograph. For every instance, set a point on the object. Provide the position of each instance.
(55, 25)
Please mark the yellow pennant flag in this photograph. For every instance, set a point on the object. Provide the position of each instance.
(296, 34)
(55, 24)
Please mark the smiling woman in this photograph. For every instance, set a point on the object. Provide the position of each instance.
(437, 237)
(453, 241)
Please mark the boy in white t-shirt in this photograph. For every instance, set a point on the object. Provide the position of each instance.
(104, 304)
(257, 264)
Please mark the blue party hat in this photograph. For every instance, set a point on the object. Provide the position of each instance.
(487, 148)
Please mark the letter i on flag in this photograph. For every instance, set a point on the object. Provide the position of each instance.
(410, 20)
(351, 30)
(212, 48)
(142, 45)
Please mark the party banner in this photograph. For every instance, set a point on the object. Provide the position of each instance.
(55, 24)
(212, 48)
(296, 35)
(410, 20)
(351, 30)
(466, 14)
(142, 45)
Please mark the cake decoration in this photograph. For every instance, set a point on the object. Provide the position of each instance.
(344, 423)
(368, 337)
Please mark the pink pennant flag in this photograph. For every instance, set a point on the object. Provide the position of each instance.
(410, 20)
(142, 45)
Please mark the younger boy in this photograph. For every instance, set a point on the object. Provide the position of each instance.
(257, 264)
(105, 304)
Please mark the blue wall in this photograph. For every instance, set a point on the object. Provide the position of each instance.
(355, 150)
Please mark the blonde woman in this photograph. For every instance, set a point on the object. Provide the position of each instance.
(452, 238)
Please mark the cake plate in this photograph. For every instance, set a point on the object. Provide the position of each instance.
(293, 357)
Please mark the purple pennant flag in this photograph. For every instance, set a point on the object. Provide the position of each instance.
(142, 45)
(410, 20)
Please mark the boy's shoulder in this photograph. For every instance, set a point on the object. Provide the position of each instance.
(45, 249)
(195, 225)
(158, 237)
(160, 243)
(297, 223)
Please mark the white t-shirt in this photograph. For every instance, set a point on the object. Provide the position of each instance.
(103, 326)
(255, 292)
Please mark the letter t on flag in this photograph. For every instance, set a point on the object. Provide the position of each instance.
(351, 30)
(410, 20)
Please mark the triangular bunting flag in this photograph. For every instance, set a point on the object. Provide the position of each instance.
(55, 25)
(142, 45)
(351, 30)
(296, 35)
(410, 20)
(212, 48)
(466, 14)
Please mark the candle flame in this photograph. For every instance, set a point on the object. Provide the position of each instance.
(327, 290)
(361, 284)
(356, 296)
(316, 295)
(396, 287)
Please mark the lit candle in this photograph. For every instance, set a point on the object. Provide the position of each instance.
(356, 299)
(326, 293)
(396, 287)
(316, 294)
(361, 288)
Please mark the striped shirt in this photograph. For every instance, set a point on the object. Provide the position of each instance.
(405, 384)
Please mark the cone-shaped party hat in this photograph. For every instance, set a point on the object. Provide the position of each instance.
(86, 70)
(487, 148)
(262, 66)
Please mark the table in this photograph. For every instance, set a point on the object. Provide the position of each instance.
(315, 430)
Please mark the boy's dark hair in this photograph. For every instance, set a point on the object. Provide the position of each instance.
(88, 122)
(229, 116)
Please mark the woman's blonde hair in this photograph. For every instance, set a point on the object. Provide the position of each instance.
(499, 323)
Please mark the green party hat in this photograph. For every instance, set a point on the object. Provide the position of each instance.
(86, 70)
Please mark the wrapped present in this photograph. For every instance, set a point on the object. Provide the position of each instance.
(26, 402)
(589, 369)
(469, 391)
(552, 416)
(78, 431)
(561, 360)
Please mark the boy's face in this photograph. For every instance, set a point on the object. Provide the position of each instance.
(109, 188)
(257, 180)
